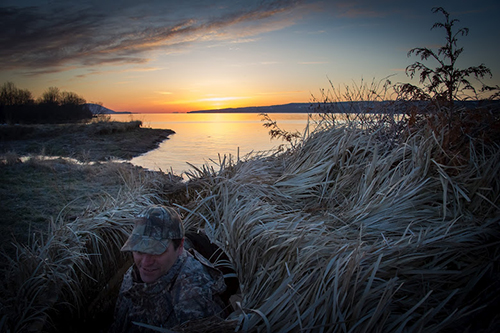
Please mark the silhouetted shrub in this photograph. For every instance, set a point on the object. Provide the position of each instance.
(18, 107)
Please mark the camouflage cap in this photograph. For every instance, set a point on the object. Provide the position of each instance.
(154, 228)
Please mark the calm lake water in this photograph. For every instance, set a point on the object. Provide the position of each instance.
(200, 138)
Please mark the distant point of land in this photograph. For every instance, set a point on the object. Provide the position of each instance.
(99, 109)
(285, 108)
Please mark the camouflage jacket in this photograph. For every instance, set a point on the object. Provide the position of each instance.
(188, 291)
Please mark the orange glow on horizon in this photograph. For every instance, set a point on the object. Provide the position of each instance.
(151, 99)
(195, 106)
(209, 103)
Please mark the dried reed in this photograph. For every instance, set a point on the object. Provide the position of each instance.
(342, 233)
(347, 234)
(60, 273)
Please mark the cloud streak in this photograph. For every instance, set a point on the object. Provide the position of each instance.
(44, 40)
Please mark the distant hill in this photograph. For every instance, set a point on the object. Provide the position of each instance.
(99, 109)
(290, 108)
(285, 108)
(365, 106)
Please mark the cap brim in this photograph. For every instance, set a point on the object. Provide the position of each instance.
(139, 243)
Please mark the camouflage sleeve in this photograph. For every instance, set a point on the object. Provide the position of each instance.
(193, 296)
(197, 303)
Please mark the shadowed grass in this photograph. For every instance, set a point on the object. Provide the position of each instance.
(58, 274)
(342, 233)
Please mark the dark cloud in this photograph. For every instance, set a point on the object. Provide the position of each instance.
(44, 39)
(31, 38)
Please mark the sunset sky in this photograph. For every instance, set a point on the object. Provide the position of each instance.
(178, 56)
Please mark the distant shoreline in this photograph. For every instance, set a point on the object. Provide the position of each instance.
(284, 108)
(342, 107)
(302, 108)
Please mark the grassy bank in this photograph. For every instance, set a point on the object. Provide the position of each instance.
(63, 270)
(97, 141)
(38, 190)
(342, 233)
(52, 232)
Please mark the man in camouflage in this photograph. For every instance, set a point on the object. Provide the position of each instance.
(167, 285)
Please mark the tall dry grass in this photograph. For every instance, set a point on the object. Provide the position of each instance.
(374, 106)
(342, 233)
(61, 279)
(348, 234)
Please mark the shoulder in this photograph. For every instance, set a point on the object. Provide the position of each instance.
(198, 274)
(194, 292)
(216, 275)
(193, 271)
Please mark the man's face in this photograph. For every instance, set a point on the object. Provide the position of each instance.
(153, 266)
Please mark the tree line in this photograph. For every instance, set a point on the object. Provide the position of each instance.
(18, 106)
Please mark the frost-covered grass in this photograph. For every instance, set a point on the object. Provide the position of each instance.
(342, 233)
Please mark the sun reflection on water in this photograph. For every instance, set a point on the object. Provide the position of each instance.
(201, 137)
